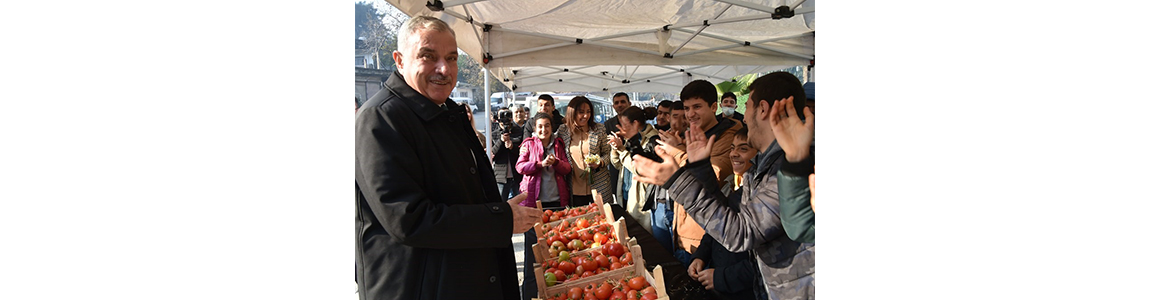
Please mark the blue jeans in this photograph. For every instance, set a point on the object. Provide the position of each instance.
(660, 221)
(509, 189)
(683, 257)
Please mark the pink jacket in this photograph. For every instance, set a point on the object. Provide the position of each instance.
(531, 153)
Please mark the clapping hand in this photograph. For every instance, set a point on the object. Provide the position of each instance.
(649, 171)
(698, 144)
(670, 137)
(548, 161)
(616, 142)
(793, 135)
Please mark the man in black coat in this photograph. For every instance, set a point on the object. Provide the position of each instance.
(505, 152)
(430, 224)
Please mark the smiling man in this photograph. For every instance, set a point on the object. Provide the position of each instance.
(430, 222)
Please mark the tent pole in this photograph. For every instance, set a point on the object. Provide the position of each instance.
(487, 115)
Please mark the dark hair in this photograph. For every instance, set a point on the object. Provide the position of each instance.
(637, 114)
(676, 105)
(544, 97)
(541, 116)
(775, 86)
(742, 133)
(571, 111)
(727, 95)
(701, 89)
(621, 94)
(651, 112)
(666, 103)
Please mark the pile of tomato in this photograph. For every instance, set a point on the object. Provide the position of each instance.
(565, 268)
(553, 216)
(636, 288)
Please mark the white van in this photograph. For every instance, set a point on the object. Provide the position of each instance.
(465, 100)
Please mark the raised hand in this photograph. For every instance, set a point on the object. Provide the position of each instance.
(649, 171)
(616, 142)
(698, 144)
(793, 135)
(522, 217)
(670, 137)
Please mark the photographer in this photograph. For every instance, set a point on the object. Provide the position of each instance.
(505, 153)
(634, 137)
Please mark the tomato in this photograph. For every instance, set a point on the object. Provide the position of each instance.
(590, 265)
(618, 296)
(573, 235)
(633, 295)
(614, 249)
(579, 270)
(549, 279)
(627, 259)
(575, 293)
(544, 218)
(589, 296)
(577, 245)
(638, 283)
(603, 291)
(563, 256)
(560, 274)
(600, 238)
(583, 223)
(646, 296)
(602, 261)
(587, 274)
(567, 267)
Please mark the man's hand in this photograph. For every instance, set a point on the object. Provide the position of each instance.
(812, 189)
(670, 137)
(698, 145)
(652, 172)
(793, 135)
(707, 278)
(696, 267)
(522, 217)
(507, 139)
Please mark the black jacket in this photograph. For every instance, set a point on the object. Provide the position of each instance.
(430, 223)
(735, 273)
(504, 158)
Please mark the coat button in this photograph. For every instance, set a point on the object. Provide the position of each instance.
(492, 279)
(472, 171)
(495, 208)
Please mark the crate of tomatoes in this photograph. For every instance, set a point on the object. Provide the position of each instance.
(628, 281)
(575, 240)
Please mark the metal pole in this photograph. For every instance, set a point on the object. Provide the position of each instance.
(487, 110)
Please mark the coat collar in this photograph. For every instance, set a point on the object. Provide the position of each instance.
(417, 103)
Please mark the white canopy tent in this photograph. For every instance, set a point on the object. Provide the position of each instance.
(625, 45)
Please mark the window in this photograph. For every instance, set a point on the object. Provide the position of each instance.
(359, 61)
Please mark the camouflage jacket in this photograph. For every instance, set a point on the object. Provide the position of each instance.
(786, 267)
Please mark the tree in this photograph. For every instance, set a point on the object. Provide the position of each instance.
(379, 27)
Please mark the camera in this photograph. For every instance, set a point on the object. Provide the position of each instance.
(635, 147)
(504, 117)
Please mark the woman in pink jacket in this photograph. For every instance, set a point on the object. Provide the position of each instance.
(544, 164)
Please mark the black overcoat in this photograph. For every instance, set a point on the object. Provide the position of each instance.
(430, 221)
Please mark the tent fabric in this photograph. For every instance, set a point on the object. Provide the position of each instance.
(605, 43)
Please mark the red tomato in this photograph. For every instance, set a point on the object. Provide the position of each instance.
(638, 283)
(575, 293)
(544, 218)
(567, 267)
(627, 259)
(573, 235)
(589, 296)
(602, 261)
(600, 238)
(587, 274)
(633, 295)
(579, 270)
(560, 275)
(582, 223)
(603, 291)
(618, 296)
(646, 296)
(590, 265)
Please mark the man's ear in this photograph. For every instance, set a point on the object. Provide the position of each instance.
(763, 109)
(397, 59)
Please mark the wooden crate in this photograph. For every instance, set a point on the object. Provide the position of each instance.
(603, 209)
(654, 278)
(540, 249)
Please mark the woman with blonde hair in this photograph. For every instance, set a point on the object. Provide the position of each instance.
(588, 153)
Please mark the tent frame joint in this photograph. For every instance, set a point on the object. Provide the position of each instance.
(435, 5)
(783, 12)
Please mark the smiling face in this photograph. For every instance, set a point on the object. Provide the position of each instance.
(582, 114)
(699, 112)
(678, 120)
(427, 60)
(543, 129)
(545, 106)
(663, 115)
(741, 154)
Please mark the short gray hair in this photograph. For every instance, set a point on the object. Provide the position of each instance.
(421, 22)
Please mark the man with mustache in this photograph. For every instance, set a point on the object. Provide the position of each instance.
(430, 223)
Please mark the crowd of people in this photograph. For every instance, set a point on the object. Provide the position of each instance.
(728, 193)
